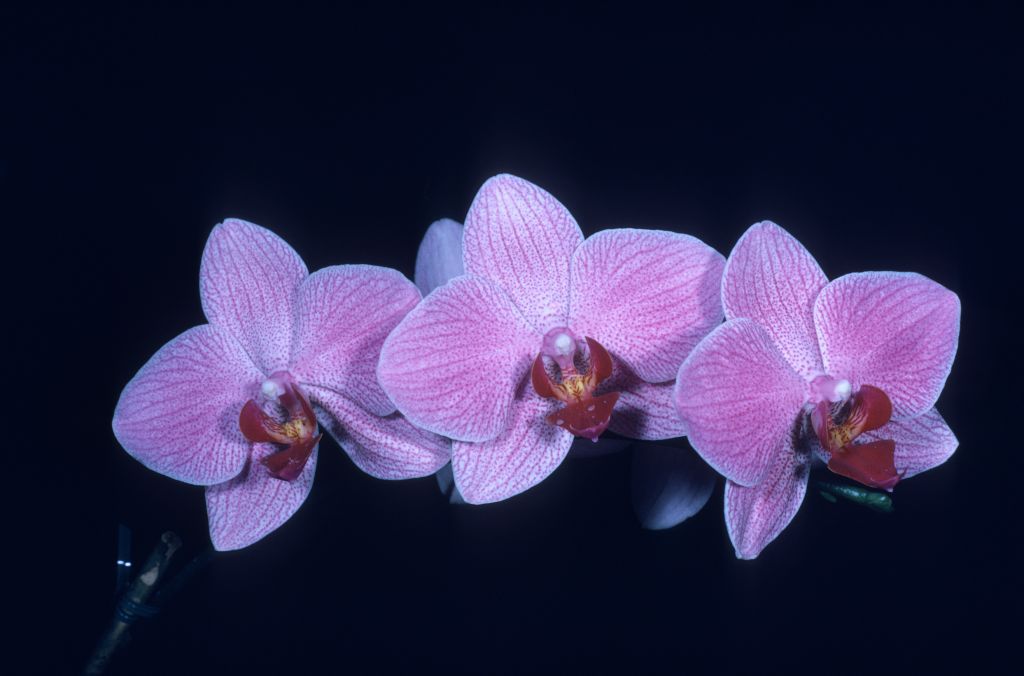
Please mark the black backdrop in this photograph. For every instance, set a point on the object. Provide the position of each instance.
(882, 140)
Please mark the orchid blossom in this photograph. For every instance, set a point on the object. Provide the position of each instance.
(547, 336)
(849, 370)
(236, 404)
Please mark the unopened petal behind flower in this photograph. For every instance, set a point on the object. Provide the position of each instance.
(439, 257)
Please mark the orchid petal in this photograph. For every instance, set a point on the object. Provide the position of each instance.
(897, 331)
(648, 296)
(644, 410)
(255, 503)
(388, 447)
(756, 515)
(771, 278)
(584, 449)
(439, 258)
(344, 314)
(453, 364)
(446, 484)
(922, 443)
(522, 238)
(179, 414)
(669, 485)
(248, 281)
(524, 455)
(739, 399)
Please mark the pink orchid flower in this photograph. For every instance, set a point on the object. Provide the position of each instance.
(548, 336)
(235, 405)
(848, 369)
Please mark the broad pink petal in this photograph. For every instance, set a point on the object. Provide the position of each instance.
(519, 458)
(179, 414)
(453, 365)
(739, 399)
(648, 296)
(248, 282)
(669, 485)
(388, 447)
(756, 515)
(922, 443)
(522, 238)
(344, 314)
(439, 258)
(897, 331)
(644, 410)
(255, 503)
(771, 278)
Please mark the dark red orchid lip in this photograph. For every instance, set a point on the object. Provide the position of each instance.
(837, 428)
(299, 433)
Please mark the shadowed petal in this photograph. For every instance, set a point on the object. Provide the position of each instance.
(387, 447)
(344, 314)
(439, 258)
(248, 281)
(669, 485)
(922, 443)
(519, 458)
(771, 278)
(255, 503)
(446, 483)
(897, 331)
(179, 414)
(648, 296)
(522, 238)
(756, 515)
(453, 365)
(739, 399)
(644, 410)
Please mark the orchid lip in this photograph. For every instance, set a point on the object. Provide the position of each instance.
(299, 432)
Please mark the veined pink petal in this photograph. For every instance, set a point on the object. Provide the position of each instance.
(179, 414)
(519, 458)
(771, 278)
(248, 281)
(644, 410)
(387, 447)
(439, 258)
(669, 485)
(756, 515)
(255, 503)
(522, 238)
(739, 399)
(344, 314)
(453, 365)
(648, 296)
(922, 443)
(897, 331)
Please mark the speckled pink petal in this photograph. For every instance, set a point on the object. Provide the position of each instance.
(644, 410)
(669, 485)
(248, 281)
(179, 414)
(897, 331)
(521, 457)
(388, 447)
(771, 278)
(522, 238)
(739, 399)
(439, 258)
(255, 503)
(755, 515)
(344, 314)
(648, 296)
(922, 443)
(453, 365)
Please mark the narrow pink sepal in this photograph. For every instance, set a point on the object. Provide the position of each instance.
(439, 257)
(897, 331)
(344, 313)
(519, 458)
(648, 296)
(522, 238)
(248, 281)
(739, 399)
(387, 447)
(254, 503)
(644, 410)
(922, 443)
(453, 365)
(771, 278)
(756, 515)
(179, 414)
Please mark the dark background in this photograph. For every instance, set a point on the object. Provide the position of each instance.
(883, 140)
